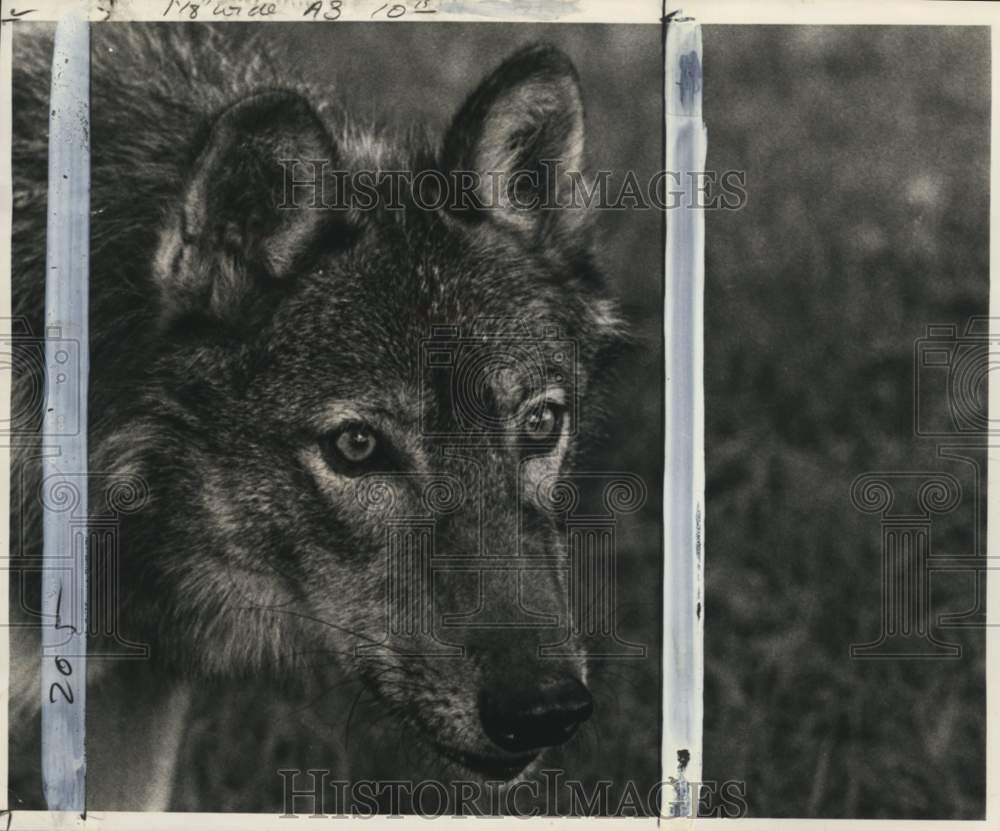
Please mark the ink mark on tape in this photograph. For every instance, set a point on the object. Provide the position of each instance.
(690, 80)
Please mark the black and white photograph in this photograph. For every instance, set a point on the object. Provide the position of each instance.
(476, 409)
(349, 431)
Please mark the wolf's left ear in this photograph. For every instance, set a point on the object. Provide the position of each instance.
(234, 231)
(519, 134)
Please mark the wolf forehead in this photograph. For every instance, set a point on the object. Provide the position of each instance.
(385, 325)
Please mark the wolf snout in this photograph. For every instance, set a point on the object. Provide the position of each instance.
(544, 715)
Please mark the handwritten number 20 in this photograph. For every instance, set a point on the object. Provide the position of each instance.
(64, 668)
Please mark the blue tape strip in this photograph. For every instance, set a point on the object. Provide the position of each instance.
(64, 474)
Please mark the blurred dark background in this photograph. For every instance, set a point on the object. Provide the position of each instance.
(866, 151)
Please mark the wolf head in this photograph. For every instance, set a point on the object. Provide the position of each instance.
(357, 411)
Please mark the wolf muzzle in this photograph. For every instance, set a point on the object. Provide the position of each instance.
(531, 718)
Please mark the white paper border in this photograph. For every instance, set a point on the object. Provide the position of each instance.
(707, 12)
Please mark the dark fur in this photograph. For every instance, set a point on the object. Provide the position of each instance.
(222, 329)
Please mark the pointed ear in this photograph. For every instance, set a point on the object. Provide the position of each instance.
(235, 231)
(518, 135)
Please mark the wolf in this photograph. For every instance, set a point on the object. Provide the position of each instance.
(312, 401)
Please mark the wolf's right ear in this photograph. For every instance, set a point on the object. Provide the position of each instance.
(235, 230)
(519, 134)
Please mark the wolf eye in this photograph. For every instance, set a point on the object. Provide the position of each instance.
(352, 448)
(543, 426)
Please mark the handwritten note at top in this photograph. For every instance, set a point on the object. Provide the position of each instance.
(323, 10)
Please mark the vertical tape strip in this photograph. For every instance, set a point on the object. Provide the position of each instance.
(64, 473)
(6, 380)
(684, 477)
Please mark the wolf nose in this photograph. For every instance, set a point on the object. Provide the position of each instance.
(547, 715)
